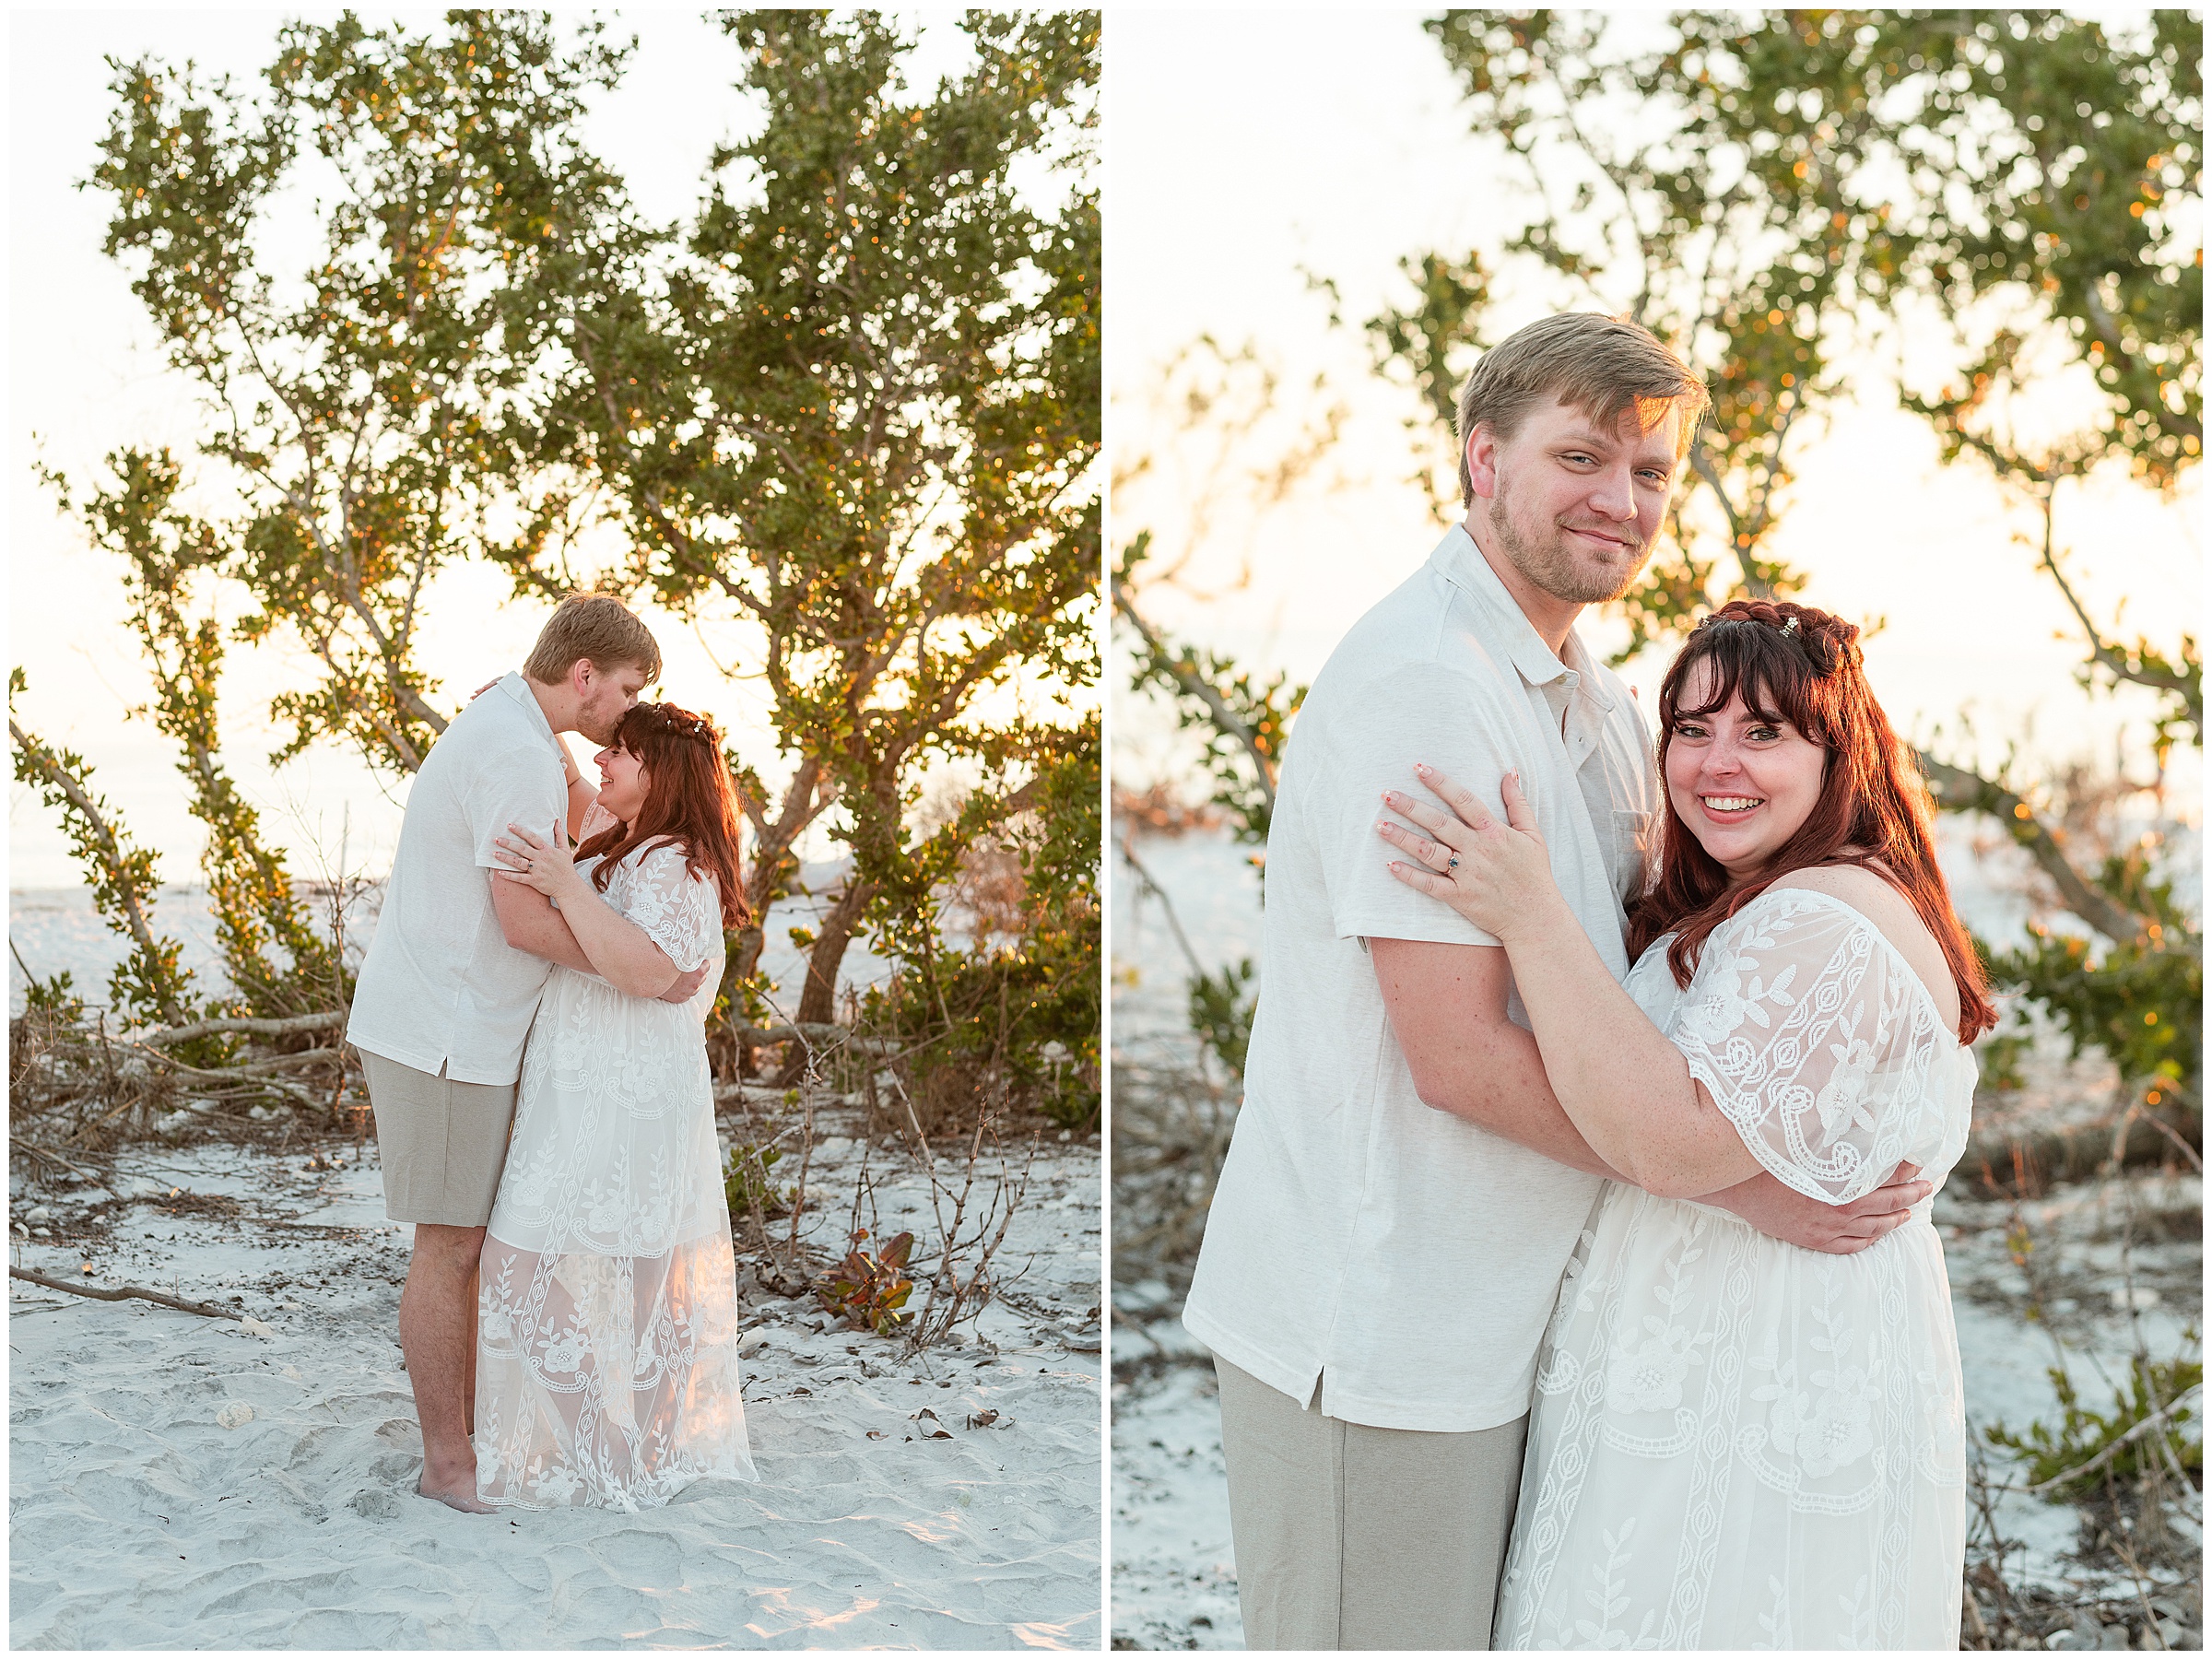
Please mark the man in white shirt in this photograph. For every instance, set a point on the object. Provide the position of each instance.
(452, 981)
(1402, 1190)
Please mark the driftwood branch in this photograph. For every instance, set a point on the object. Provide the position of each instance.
(119, 1293)
(2007, 1163)
(810, 1032)
(260, 1028)
(825, 1034)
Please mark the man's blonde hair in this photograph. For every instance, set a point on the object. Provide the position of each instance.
(596, 627)
(1603, 366)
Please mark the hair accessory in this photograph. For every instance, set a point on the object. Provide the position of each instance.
(1789, 625)
(688, 726)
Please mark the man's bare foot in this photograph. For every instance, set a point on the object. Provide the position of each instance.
(461, 1495)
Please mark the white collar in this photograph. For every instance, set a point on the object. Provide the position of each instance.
(1461, 563)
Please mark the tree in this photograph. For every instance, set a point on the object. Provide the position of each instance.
(359, 409)
(1021, 1002)
(148, 985)
(1223, 421)
(1745, 244)
(2084, 157)
(1766, 189)
(865, 410)
(1786, 177)
(163, 549)
(1791, 178)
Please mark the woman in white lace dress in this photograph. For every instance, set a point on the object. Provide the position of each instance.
(607, 1364)
(1737, 1444)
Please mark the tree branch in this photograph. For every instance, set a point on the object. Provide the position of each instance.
(263, 1028)
(1960, 791)
(119, 1293)
(110, 847)
(1192, 685)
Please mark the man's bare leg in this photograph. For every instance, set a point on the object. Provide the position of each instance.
(436, 1335)
(468, 1382)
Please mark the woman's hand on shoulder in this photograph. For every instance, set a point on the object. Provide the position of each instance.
(1497, 875)
(537, 862)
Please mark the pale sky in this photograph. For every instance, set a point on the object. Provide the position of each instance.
(85, 375)
(1246, 147)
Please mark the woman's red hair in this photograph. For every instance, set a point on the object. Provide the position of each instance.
(689, 800)
(1794, 664)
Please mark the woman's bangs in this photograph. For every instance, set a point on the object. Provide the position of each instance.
(1776, 682)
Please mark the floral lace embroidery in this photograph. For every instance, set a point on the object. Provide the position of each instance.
(1736, 1443)
(608, 1369)
(1816, 1041)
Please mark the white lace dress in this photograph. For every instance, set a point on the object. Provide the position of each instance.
(607, 1358)
(1736, 1443)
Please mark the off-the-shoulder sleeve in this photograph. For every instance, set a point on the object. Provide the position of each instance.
(1817, 1042)
(679, 912)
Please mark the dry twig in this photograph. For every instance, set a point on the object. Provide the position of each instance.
(119, 1293)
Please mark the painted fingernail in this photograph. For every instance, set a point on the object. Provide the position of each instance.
(1422, 766)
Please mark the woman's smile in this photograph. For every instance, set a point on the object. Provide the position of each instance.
(1743, 782)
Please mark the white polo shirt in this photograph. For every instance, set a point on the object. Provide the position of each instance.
(440, 987)
(1402, 1255)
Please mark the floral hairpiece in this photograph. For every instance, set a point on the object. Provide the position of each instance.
(1788, 625)
(688, 726)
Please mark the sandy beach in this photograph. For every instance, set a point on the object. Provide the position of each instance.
(177, 1481)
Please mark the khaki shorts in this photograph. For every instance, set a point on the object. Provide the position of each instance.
(1349, 1537)
(442, 1142)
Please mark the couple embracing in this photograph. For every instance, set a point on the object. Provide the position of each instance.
(531, 1021)
(1569, 1280)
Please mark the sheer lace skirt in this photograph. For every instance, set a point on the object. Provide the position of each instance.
(608, 1323)
(608, 1381)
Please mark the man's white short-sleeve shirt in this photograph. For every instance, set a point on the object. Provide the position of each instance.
(1404, 1257)
(440, 987)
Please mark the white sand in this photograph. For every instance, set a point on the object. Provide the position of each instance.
(149, 1510)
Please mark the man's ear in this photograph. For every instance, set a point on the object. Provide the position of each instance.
(1482, 460)
(581, 675)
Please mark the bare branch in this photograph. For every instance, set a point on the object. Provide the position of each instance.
(1224, 718)
(1958, 790)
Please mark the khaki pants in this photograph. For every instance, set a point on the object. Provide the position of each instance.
(1347, 1537)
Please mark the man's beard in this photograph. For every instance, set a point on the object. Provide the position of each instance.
(1545, 561)
(602, 723)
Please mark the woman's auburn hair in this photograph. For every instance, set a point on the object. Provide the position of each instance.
(1797, 664)
(689, 800)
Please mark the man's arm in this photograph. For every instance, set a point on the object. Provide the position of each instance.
(583, 794)
(1447, 1007)
(530, 924)
(1446, 1004)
